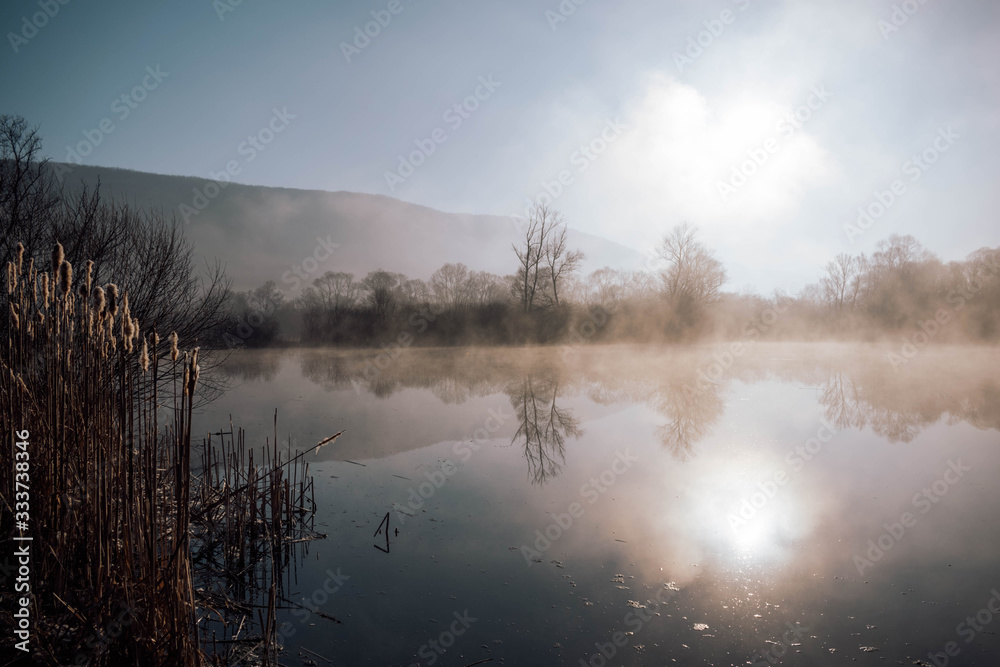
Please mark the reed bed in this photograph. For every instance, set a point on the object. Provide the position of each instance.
(138, 555)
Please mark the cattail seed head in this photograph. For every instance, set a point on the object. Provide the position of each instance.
(144, 357)
(45, 288)
(127, 332)
(57, 258)
(99, 300)
(112, 299)
(65, 277)
(11, 278)
(174, 352)
(192, 377)
(20, 256)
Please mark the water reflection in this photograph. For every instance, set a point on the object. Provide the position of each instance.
(707, 439)
(897, 411)
(543, 426)
(857, 391)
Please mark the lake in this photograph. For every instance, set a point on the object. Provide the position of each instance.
(790, 503)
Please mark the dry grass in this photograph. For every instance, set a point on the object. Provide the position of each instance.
(165, 564)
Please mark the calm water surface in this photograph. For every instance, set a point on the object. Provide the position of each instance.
(797, 504)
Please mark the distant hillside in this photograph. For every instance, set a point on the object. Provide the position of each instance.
(262, 232)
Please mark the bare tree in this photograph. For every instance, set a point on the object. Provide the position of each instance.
(542, 220)
(259, 306)
(486, 288)
(692, 277)
(27, 193)
(842, 281)
(267, 298)
(561, 261)
(450, 286)
(380, 286)
(412, 290)
(337, 290)
(898, 251)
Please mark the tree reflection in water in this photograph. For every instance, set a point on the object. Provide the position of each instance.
(543, 426)
(854, 385)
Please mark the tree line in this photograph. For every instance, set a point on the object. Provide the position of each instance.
(900, 288)
(544, 299)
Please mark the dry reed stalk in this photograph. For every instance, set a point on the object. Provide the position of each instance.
(122, 526)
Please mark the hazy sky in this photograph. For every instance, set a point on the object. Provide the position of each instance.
(885, 80)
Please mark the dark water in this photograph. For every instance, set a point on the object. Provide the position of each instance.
(796, 504)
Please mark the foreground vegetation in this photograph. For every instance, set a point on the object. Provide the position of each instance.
(138, 553)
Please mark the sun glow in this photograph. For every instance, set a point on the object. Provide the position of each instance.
(743, 513)
(681, 146)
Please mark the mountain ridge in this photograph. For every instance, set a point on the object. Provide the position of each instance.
(262, 232)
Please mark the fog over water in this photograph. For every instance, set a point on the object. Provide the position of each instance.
(807, 484)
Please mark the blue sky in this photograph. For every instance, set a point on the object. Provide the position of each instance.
(667, 120)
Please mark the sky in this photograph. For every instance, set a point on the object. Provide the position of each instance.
(771, 126)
